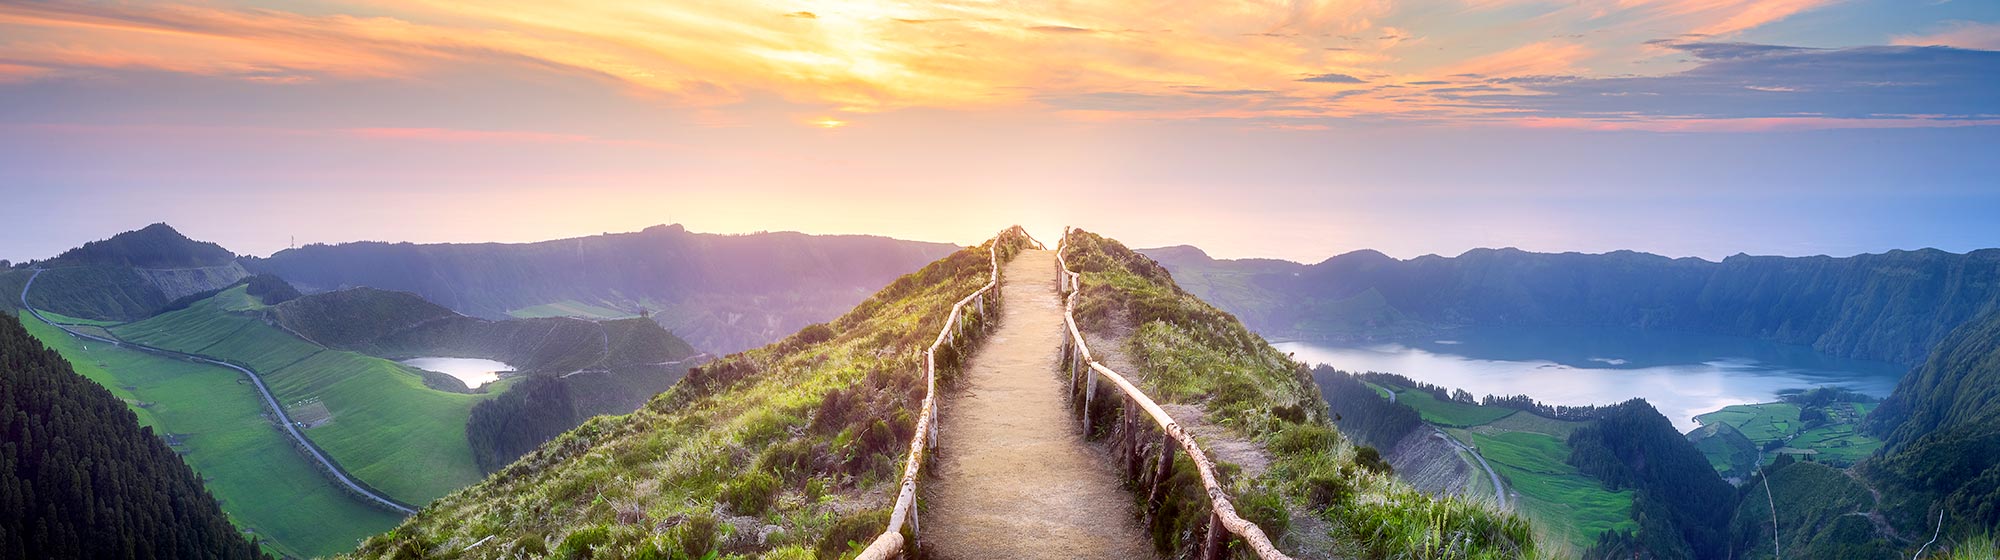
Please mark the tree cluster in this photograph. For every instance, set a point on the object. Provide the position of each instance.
(79, 478)
(1682, 506)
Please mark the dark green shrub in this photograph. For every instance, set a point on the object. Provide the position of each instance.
(814, 334)
(693, 538)
(791, 459)
(1325, 491)
(580, 544)
(766, 427)
(850, 531)
(750, 493)
(1371, 459)
(1299, 439)
(1267, 510)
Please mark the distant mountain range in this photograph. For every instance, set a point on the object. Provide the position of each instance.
(1892, 306)
(723, 293)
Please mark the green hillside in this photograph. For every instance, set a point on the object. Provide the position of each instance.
(131, 275)
(1959, 385)
(153, 246)
(1530, 453)
(1822, 513)
(1942, 430)
(377, 418)
(1732, 454)
(1189, 352)
(80, 477)
(219, 427)
(803, 436)
(1549, 490)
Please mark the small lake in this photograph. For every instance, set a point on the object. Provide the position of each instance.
(1681, 374)
(473, 371)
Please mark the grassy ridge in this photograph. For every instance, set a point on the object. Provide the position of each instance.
(265, 485)
(787, 451)
(1191, 353)
(386, 426)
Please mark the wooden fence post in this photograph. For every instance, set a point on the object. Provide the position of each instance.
(1089, 394)
(1132, 461)
(1212, 549)
(1164, 471)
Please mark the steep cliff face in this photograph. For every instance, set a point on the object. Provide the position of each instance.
(1942, 429)
(132, 275)
(1891, 306)
(1957, 387)
(176, 283)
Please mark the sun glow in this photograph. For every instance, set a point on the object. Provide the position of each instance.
(829, 122)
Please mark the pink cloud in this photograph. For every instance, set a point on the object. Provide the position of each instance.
(1961, 34)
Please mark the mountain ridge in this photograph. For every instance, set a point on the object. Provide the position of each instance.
(1890, 306)
(722, 292)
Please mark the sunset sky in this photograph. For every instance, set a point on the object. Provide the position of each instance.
(1295, 130)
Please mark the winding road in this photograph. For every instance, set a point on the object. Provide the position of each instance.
(1499, 490)
(269, 401)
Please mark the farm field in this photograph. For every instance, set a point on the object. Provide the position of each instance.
(68, 320)
(1834, 442)
(1448, 413)
(379, 420)
(1529, 453)
(1534, 466)
(215, 418)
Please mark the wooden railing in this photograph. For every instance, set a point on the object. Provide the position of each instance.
(1079, 362)
(891, 542)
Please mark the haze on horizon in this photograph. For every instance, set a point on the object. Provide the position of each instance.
(1295, 130)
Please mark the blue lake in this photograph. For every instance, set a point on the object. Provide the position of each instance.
(1681, 374)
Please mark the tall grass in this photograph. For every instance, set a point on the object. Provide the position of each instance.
(1189, 352)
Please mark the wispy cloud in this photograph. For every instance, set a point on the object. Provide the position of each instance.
(1333, 79)
(1961, 34)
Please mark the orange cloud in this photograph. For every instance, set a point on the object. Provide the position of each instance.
(1240, 59)
(1539, 58)
(1738, 16)
(1963, 34)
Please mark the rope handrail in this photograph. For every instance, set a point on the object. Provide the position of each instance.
(890, 542)
(1222, 512)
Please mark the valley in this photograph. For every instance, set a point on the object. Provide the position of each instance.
(368, 438)
(378, 419)
(218, 424)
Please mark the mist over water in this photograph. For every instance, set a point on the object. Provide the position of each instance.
(1681, 374)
